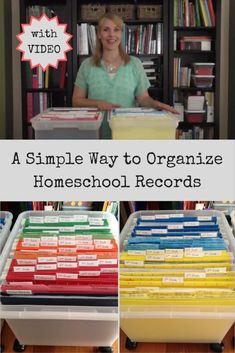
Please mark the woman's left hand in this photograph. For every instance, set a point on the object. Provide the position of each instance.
(166, 107)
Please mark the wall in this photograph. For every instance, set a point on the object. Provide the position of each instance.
(16, 69)
(6, 121)
(224, 66)
(231, 110)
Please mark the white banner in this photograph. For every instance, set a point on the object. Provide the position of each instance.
(117, 170)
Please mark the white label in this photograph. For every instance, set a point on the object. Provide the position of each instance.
(87, 257)
(67, 242)
(45, 277)
(204, 218)
(67, 275)
(195, 275)
(143, 232)
(66, 219)
(19, 291)
(47, 259)
(30, 244)
(213, 253)
(155, 257)
(104, 246)
(107, 261)
(38, 220)
(176, 215)
(134, 263)
(31, 240)
(67, 238)
(80, 218)
(82, 227)
(67, 258)
(84, 242)
(209, 234)
(158, 231)
(49, 243)
(155, 252)
(26, 262)
(161, 216)
(193, 252)
(216, 270)
(109, 269)
(67, 229)
(174, 252)
(136, 252)
(47, 267)
(191, 224)
(172, 279)
(147, 218)
(24, 268)
(68, 250)
(191, 237)
(175, 226)
(89, 273)
(96, 222)
(102, 241)
(51, 219)
(67, 265)
(51, 239)
(85, 247)
(83, 237)
(88, 263)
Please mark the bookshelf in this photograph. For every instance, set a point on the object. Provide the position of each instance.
(53, 87)
(136, 39)
(182, 55)
(159, 62)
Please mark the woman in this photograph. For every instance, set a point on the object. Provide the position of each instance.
(111, 78)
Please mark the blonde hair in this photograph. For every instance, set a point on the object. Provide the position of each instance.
(98, 52)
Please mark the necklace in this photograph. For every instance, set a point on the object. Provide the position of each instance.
(111, 69)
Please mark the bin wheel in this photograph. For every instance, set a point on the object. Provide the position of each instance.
(2, 348)
(217, 347)
(105, 349)
(130, 345)
(18, 347)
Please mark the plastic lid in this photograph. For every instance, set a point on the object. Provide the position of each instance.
(203, 76)
(194, 111)
(203, 64)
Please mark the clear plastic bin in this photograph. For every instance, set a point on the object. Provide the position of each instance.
(63, 325)
(203, 68)
(66, 129)
(141, 125)
(232, 215)
(3, 237)
(203, 81)
(177, 323)
(6, 229)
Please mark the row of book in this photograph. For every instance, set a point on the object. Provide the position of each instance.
(176, 258)
(52, 78)
(195, 133)
(140, 39)
(196, 13)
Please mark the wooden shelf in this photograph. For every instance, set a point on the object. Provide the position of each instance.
(188, 124)
(194, 89)
(46, 90)
(192, 52)
(177, 28)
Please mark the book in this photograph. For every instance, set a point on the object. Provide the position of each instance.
(203, 13)
(212, 12)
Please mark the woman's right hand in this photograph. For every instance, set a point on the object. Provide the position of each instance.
(106, 106)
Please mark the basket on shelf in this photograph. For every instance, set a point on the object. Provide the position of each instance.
(92, 12)
(126, 12)
(147, 12)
